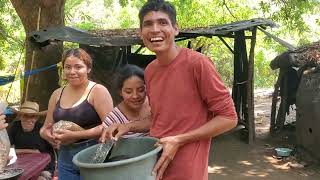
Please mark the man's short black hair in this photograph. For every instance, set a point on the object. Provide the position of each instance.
(158, 5)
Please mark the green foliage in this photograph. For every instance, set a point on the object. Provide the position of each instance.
(299, 23)
(263, 76)
(12, 36)
(128, 16)
(123, 3)
(86, 26)
(292, 15)
(2, 63)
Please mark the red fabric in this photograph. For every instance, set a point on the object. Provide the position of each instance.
(32, 164)
(183, 96)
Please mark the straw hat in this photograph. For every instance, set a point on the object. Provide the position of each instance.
(29, 107)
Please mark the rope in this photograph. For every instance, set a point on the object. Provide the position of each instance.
(33, 55)
(15, 72)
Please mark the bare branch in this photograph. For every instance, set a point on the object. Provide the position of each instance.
(225, 4)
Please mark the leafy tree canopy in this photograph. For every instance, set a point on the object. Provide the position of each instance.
(299, 23)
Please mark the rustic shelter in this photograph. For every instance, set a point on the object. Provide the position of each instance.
(113, 48)
(299, 84)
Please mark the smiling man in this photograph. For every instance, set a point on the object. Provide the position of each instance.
(188, 100)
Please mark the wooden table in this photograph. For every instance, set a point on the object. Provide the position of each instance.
(32, 164)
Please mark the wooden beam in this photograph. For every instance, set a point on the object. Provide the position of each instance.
(280, 41)
(250, 89)
(232, 36)
(225, 43)
(139, 49)
(182, 39)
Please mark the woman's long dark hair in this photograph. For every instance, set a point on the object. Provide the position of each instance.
(127, 72)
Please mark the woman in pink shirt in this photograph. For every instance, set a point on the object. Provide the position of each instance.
(134, 105)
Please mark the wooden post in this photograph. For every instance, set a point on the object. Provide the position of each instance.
(250, 89)
(274, 103)
(281, 116)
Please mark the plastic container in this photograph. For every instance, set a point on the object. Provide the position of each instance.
(143, 156)
(283, 152)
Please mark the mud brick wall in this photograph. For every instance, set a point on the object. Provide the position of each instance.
(308, 113)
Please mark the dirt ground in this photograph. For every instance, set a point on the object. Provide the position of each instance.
(232, 158)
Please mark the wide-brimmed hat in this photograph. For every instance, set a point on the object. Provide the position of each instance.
(29, 107)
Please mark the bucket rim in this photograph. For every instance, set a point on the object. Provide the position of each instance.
(116, 163)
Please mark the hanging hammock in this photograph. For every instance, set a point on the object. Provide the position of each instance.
(6, 79)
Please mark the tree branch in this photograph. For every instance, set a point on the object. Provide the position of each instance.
(225, 4)
(6, 37)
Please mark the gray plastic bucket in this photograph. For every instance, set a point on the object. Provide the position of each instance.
(143, 155)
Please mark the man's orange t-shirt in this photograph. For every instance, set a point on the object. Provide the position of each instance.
(184, 95)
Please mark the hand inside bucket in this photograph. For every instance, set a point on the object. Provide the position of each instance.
(103, 152)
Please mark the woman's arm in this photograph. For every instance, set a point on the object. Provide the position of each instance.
(102, 101)
(46, 129)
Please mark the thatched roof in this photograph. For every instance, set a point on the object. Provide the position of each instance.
(127, 37)
(307, 56)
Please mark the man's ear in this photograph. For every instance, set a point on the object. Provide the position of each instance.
(89, 70)
(140, 33)
(176, 28)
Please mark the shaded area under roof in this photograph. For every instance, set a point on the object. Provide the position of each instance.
(128, 37)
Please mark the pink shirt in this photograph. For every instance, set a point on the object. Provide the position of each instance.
(183, 95)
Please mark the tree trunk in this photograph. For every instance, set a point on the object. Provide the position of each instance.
(40, 14)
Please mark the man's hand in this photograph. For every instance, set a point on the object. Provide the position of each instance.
(170, 147)
(114, 131)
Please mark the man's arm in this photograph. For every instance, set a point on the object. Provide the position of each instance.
(216, 126)
(171, 144)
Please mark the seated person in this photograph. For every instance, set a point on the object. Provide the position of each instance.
(134, 105)
(24, 134)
